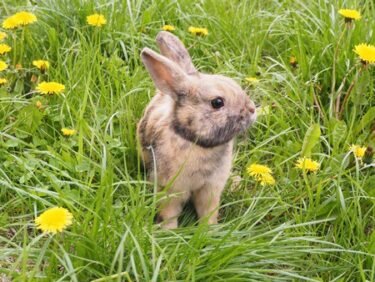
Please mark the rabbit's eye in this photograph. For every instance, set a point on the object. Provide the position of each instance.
(217, 103)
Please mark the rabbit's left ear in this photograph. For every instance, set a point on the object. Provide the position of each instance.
(168, 77)
(172, 48)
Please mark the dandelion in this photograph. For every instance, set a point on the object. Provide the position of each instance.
(3, 81)
(68, 131)
(358, 151)
(168, 27)
(41, 64)
(4, 48)
(96, 20)
(3, 65)
(54, 220)
(307, 164)
(252, 80)
(25, 18)
(3, 35)
(261, 173)
(19, 19)
(49, 88)
(258, 170)
(366, 52)
(350, 15)
(10, 23)
(266, 179)
(199, 31)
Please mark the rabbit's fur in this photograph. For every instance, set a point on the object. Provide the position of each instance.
(187, 143)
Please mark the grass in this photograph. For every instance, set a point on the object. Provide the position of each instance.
(308, 227)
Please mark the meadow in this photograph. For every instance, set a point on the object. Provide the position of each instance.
(316, 99)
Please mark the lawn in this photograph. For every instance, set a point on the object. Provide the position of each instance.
(315, 98)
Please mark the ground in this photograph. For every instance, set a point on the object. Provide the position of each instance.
(315, 97)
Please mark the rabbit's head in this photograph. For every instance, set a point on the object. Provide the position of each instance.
(209, 110)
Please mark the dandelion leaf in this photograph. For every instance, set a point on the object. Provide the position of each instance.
(311, 139)
(366, 120)
(339, 132)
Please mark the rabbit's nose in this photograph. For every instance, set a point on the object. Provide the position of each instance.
(247, 112)
(251, 107)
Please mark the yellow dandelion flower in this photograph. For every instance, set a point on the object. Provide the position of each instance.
(25, 18)
(358, 151)
(54, 220)
(3, 65)
(266, 179)
(3, 35)
(19, 19)
(261, 173)
(41, 64)
(96, 20)
(350, 15)
(50, 88)
(68, 131)
(252, 80)
(3, 81)
(258, 170)
(366, 52)
(307, 164)
(199, 31)
(10, 23)
(168, 27)
(4, 48)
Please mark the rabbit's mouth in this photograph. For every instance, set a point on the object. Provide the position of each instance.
(246, 123)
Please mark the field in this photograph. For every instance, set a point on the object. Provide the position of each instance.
(316, 98)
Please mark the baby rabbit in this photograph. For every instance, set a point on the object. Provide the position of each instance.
(187, 130)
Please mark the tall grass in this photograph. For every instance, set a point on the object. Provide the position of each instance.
(317, 227)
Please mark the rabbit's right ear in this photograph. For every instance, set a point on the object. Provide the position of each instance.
(168, 77)
(172, 47)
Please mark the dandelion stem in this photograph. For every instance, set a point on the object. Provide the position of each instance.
(348, 93)
(308, 188)
(22, 45)
(333, 84)
(339, 91)
(15, 49)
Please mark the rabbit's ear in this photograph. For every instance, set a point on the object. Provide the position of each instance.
(171, 47)
(168, 77)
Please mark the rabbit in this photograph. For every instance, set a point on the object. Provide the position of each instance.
(187, 130)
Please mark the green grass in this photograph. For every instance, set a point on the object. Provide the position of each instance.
(317, 227)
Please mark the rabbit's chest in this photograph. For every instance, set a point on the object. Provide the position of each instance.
(189, 165)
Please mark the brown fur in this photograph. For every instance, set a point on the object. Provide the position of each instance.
(189, 141)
